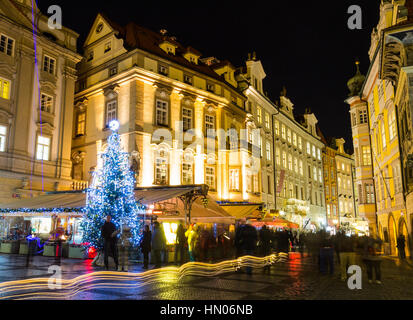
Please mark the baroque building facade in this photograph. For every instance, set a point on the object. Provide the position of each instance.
(167, 99)
(261, 111)
(299, 169)
(377, 134)
(37, 80)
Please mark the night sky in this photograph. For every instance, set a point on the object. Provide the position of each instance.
(304, 45)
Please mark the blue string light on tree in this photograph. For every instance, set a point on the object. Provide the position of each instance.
(112, 193)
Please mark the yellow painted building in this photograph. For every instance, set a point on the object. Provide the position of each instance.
(373, 109)
(167, 99)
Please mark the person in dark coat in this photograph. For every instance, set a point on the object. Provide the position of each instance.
(401, 245)
(249, 238)
(108, 232)
(326, 253)
(204, 240)
(180, 244)
(146, 246)
(238, 240)
(158, 244)
(284, 241)
(265, 240)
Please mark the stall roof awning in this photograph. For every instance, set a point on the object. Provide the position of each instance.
(213, 213)
(153, 195)
(240, 211)
(55, 200)
(76, 199)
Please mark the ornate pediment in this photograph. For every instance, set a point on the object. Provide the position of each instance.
(5, 117)
(7, 70)
(47, 86)
(45, 126)
(81, 104)
(78, 156)
(111, 92)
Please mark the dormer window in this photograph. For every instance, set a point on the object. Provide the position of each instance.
(163, 70)
(90, 56)
(210, 87)
(187, 79)
(113, 71)
(168, 47)
(108, 47)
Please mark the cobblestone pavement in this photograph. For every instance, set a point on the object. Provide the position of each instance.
(298, 279)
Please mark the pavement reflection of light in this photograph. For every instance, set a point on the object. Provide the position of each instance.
(38, 288)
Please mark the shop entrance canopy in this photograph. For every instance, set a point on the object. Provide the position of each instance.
(240, 210)
(72, 202)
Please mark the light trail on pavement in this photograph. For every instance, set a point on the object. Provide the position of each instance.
(42, 288)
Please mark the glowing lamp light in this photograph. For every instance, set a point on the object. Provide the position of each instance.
(114, 125)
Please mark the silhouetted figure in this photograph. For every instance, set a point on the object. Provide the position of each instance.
(347, 253)
(108, 230)
(146, 246)
(326, 253)
(265, 240)
(401, 245)
(371, 257)
(249, 241)
(180, 245)
(238, 240)
(158, 244)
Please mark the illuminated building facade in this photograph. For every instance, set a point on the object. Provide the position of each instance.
(36, 102)
(376, 132)
(261, 112)
(167, 99)
(298, 166)
(330, 186)
(347, 202)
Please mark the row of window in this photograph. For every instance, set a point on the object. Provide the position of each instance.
(380, 138)
(365, 156)
(366, 197)
(360, 117)
(344, 183)
(42, 144)
(161, 175)
(295, 192)
(343, 167)
(294, 164)
(296, 140)
(91, 54)
(331, 210)
(266, 117)
(345, 206)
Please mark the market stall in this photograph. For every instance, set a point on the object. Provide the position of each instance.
(275, 223)
(52, 218)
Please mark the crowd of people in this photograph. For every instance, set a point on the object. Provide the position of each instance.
(198, 243)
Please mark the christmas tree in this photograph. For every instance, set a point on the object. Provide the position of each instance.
(112, 193)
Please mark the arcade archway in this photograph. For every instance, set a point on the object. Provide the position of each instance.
(404, 231)
(392, 235)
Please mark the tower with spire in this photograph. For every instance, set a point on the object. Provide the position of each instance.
(362, 147)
